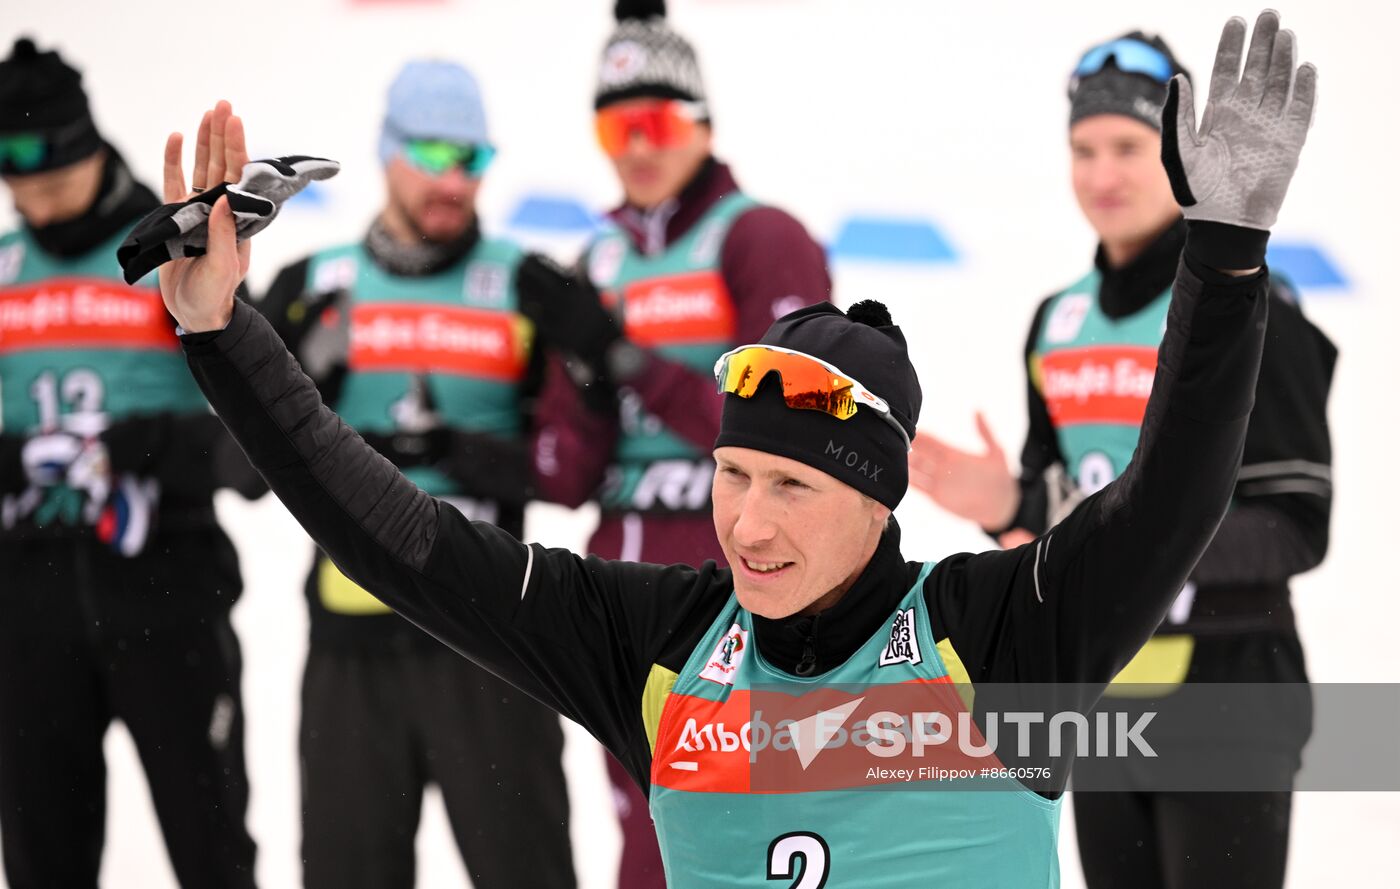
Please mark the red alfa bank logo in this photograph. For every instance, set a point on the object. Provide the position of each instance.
(693, 307)
(824, 739)
(1098, 384)
(65, 313)
(418, 338)
(918, 732)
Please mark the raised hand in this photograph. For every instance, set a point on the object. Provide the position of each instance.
(198, 292)
(977, 487)
(1236, 167)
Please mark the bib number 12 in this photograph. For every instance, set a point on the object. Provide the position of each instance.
(784, 852)
(80, 388)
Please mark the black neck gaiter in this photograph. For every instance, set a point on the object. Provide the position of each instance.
(812, 644)
(417, 260)
(1127, 289)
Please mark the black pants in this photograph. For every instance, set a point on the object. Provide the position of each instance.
(1176, 840)
(176, 688)
(376, 728)
(1182, 840)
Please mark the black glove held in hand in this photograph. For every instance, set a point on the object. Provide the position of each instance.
(409, 449)
(177, 231)
(566, 310)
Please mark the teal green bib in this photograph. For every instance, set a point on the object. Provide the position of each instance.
(79, 348)
(450, 344)
(677, 304)
(1095, 374)
(836, 817)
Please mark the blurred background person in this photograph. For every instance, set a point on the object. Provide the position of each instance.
(1090, 357)
(118, 579)
(413, 336)
(688, 267)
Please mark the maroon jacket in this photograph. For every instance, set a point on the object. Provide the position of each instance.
(770, 265)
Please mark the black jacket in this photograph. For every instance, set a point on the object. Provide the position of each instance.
(483, 466)
(582, 634)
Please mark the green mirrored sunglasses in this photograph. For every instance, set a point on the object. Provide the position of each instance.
(437, 157)
(22, 152)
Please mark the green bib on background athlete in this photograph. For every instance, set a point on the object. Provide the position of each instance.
(677, 304)
(832, 815)
(449, 345)
(421, 351)
(79, 348)
(1095, 374)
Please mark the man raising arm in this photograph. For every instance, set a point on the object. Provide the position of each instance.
(817, 576)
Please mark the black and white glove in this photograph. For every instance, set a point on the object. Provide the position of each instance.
(90, 474)
(409, 449)
(566, 310)
(179, 231)
(46, 457)
(1235, 168)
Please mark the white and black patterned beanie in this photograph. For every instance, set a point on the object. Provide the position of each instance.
(645, 58)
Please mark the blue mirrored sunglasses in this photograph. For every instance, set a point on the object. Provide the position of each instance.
(1129, 55)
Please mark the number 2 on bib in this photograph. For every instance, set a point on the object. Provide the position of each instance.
(784, 851)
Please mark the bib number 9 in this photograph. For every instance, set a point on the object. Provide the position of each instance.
(784, 852)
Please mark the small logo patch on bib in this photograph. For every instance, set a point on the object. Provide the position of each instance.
(728, 655)
(903, 647)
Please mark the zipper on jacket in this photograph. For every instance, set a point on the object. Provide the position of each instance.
(808, 665)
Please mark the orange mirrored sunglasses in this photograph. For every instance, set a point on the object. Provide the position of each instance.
(808, 383)
(664, 123)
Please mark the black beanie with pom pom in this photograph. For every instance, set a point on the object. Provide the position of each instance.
(864, 451)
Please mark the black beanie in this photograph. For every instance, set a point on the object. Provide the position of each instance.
(1111, 90)
(865, 452)
(41, 95)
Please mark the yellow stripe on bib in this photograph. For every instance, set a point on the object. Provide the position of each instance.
(957, 671)
(341, 595)
(1156, 670)
(660, 681)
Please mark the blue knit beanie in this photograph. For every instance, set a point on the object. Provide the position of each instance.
(433, 100)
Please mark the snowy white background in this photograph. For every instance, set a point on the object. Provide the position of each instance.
(953, 112)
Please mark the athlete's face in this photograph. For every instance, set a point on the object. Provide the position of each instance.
(1120, 182)
(650, 174)
(438, 207)
(57, 195)
(795, 537)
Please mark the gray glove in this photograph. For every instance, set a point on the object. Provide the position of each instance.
(1236, 168)
(175, 231)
